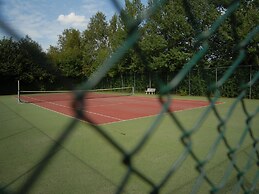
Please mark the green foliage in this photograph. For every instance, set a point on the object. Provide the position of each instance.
(198, 84)
(95, 44)
(168, 40)
(183, 92)
(67, 57)
(23, 60)
(8, 58)
(170, 61)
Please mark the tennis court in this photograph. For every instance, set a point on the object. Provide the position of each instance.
(87, 163)
(108, 108)
(206, 140)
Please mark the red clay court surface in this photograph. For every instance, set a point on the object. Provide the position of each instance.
(113, 109)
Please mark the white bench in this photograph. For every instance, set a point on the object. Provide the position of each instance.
(150, 91)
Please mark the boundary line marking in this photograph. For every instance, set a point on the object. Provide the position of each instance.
(107, 116)
(60, 105)
(200, 107)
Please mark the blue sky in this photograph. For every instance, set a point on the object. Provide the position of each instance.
(44, 20)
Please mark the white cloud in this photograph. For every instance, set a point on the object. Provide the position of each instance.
(26, 19)
(72, 19)
(44, 20)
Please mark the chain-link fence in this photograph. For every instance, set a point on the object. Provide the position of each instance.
(194, 84)
(218, 79)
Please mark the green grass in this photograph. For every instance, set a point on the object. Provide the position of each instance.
(87, 163)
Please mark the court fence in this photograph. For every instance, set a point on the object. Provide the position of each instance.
(221, 77)
(196, 82)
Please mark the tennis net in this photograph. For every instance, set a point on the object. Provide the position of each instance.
(34, 96)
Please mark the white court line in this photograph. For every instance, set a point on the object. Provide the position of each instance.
(119, 120)
(200, 107)
(99, 114)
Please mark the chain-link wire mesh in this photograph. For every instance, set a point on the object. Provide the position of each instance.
(240, 184)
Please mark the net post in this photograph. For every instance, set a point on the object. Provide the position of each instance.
(133, 90)
(18, 91)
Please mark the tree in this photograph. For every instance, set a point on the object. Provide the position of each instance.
(116, 34)
(8, 58)
(67, 57)
(132, 61)
(167, 38)
(224, 42)
(95, 43)
(32, 61)
(23, 60)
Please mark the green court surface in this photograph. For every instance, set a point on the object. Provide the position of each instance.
(85, 162)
